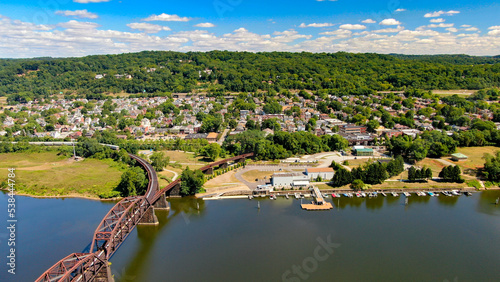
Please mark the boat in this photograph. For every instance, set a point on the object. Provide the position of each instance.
(297, 196)
(394, 194)
(272, 197)
(350, 195)
(363, 195)
(446, 193)
(250, 197)
(286, 196)
(325, 195)
(468, 193)
(430, 194)
(346, 195)
(336, 195)
(333, 195)
(358, 194)
(383, 194)
(420, 193)
(455, 192)
(375, 194)
(407, 194)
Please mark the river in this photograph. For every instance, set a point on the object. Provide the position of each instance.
(379, 239)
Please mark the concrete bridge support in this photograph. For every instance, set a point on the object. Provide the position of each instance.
(149, 217)
(209, 171)
(162, 203)
(223, 165)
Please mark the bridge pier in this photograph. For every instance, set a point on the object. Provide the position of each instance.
(104, 275)
(162, 203)
(149, 217)
(223, 165)
(209, 171)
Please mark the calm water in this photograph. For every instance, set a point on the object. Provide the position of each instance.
(431, 239)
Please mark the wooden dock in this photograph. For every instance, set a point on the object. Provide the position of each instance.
(319, 203)
(315, 207)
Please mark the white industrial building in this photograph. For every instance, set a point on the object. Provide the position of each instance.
(326, 173)
(289, 180)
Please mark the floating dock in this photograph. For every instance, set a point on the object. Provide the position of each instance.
(318, 204)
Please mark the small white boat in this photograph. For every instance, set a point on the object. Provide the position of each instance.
(286, 196)
(407, 194)
(455, 192)
(350, 195)
(325, 196)
(297, 196)
(383, 194)
(358, 195)
(363, 195)
(250, 197)
(394, 194)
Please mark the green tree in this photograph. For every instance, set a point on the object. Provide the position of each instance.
(192, 182)
(159, 161)
(133, 182)
(357, 184)
(211, 151)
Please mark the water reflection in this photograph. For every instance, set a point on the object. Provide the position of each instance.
(486, 203)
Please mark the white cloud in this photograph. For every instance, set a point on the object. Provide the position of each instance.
(75, 38)
(438, 20)
(368, 21)
(440, 25)
(166, 18)
(400, 10)
(205, 25)
(389, 22)
(78, 13)
(302, 25)
(471, 29)
(90, 1)
(78, 25)
(389, 30)
(439, 13)
(147, 27)
(352, 26)
(465, 25)
(494, 32)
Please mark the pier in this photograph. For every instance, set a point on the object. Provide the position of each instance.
(319, 202)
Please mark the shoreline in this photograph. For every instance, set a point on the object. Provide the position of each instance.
(76, 196)
(246, 193)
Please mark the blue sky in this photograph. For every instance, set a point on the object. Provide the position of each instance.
(61, 28)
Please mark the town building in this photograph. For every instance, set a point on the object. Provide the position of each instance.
(326, 173)
(289, 180)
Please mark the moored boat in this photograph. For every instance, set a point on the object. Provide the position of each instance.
(407, 194)
(395, 194)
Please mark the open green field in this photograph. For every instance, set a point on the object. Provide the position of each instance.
(459, 92)
(47, 174)
(475, 156)
(251, 175)
(182, 157)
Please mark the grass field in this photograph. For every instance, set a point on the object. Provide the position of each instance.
(460, 92)
(186, 158)
(475, 156)
(251, 175)
(46, 174)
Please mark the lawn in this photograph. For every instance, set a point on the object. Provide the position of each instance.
(251, 175)
(475, 156)
(46, 174)
(182, 157)
(359, 162)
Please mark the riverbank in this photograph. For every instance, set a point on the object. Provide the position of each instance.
(66, 196)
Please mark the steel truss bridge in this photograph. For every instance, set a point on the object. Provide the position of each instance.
(117, 225)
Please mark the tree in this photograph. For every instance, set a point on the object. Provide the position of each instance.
(411, 174)
(357, 184)
(492, 166)
(133, 182)
(159, 161)
(211, 151)
(192, 182)
(341, 177)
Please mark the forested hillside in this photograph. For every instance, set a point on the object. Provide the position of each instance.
(223, 71)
